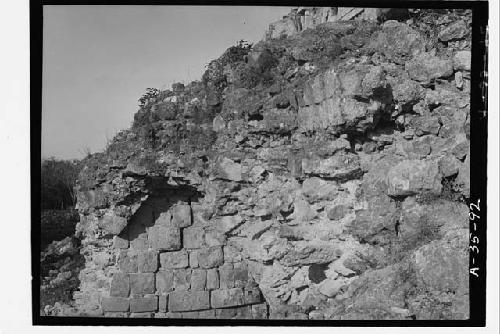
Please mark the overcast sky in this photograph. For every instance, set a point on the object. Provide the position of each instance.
(98, 60)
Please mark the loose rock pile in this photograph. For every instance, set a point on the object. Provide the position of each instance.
(320, 175)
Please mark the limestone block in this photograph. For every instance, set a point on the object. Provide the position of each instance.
(210, 257)
(214, 238)
(226, 274)
(193, 259)
(193, 237)
(174, 260)
(227, 298)
(212, 279)
(181, 215)
(120, 285)
(163, 303)
(115, 304)
(182, 279)
(181, 301)
(164, 238)
(120, 242)
(128, 262)
(230, 170)
(142, 283)
(411, 177)
(147, 261)
(198, 279)
(144, 304)
(164, 281)
(113, 223)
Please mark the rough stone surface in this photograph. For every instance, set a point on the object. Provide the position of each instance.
(188, 301)
(319, 174)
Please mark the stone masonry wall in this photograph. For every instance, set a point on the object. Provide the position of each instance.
(170, 264)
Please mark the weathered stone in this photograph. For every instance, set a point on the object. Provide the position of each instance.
(193, 259)
(330, 287)
(456, 30)
(164, 219)
(426, 125)
(164, 238)
(147, 261)
(182, 279)
(210, 257)
(252, 296)
(143, 283)
(340, 166)
(449, 165)
(316, 189)
(193, 237)
(113, 223)
(305, 253)
(181, 301)
(198, 279)
(128, 262)
(240, 275)
(120, 285)
(115, 304)
(426, 67)
(144, 304)
(162, 303)
(120, 242)
(398, 43)
(212, 279)
(181, 215)
(228, 223)
(338, 212)
(462, 60)
(259, 311)
(227, 298)
(230, 170)
(442, 267)
(411, 177)
(174, 260)
(226, 276)
(214, 238)
(141, 315)
(165, 281)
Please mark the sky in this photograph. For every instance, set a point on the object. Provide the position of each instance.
(98, 61)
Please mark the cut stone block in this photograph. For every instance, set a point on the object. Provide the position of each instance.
(198, 279)
(193, 259)
(164, 238)
(143, 283)
(210, 257)
(120, 285)
(226, 276)
(212, 279)
(120, 242)
(165, 281)
(182, 279)
(181, 215)
(162, 303)
(115, 304)
(127, 262)
(193, 237)
(147, 262)
(182, 301)
(174, 260)
(144, 304)
(227, 298)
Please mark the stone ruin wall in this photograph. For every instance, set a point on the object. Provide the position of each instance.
(302, 18)
(314, 210)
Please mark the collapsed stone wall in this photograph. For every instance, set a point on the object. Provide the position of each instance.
(318, 176)
(303, 18)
